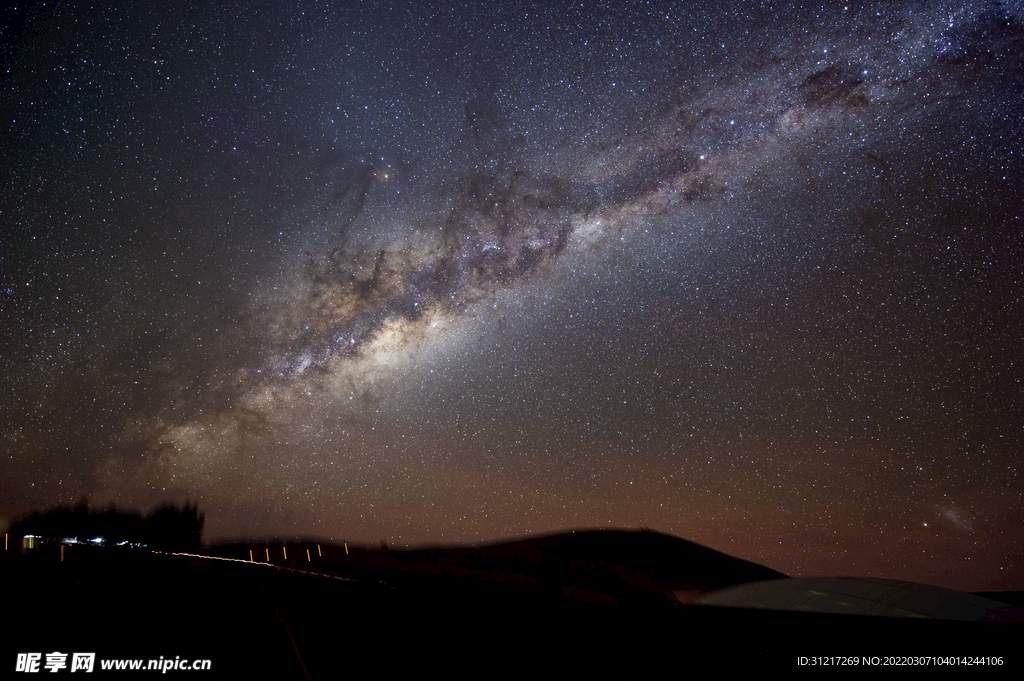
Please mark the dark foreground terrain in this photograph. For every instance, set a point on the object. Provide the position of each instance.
(453, 611)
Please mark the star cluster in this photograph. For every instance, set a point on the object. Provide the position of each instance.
(747, 274)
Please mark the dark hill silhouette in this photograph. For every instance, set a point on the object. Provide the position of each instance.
(405, 611)
(665, 559)
(597, 566)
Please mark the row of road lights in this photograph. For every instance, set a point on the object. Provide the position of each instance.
(284, 550)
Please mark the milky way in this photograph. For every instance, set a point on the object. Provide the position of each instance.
(751, 275)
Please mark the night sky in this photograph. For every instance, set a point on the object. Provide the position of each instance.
(751, 274)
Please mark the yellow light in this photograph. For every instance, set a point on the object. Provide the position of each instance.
(308, 559)
(346, 548)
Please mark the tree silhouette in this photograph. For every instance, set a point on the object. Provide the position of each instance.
(167, 528)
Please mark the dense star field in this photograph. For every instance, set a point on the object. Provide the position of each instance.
(746, 273)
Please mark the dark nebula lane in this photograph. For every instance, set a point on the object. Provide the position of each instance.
(750, 274)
